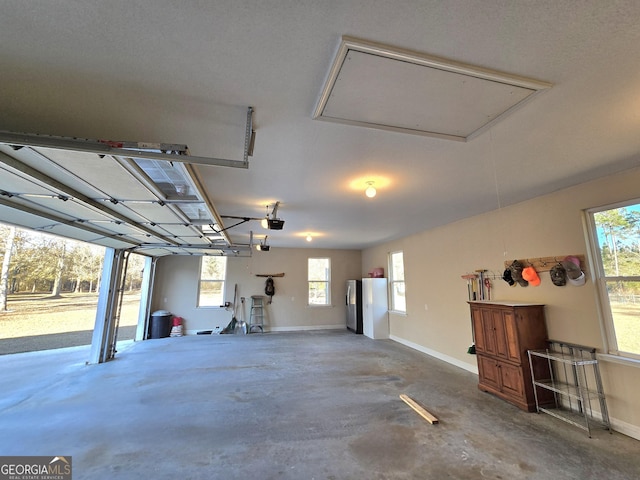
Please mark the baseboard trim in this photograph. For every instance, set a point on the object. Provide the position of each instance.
(268, 329)
(625, 428)
(306, 328)
(473, 368)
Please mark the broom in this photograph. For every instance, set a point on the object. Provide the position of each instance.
(232, 324)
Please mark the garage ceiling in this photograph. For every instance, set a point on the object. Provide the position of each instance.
(160, 72)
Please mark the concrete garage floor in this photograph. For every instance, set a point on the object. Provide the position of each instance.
(313, 405)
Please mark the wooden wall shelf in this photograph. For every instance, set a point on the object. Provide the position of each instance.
(545, 264)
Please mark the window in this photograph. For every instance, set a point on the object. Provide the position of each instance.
(615, 233)
(213, 271)
(396, 282)
(319, 277)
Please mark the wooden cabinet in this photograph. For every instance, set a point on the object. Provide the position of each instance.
(504, 332)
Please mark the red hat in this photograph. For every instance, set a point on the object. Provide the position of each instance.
(531, 276)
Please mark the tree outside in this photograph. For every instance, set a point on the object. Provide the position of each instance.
(49, 290)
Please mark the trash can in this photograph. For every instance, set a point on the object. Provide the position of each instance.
(160, 324)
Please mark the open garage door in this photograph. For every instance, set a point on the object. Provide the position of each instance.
(129, 198)
(49, 292)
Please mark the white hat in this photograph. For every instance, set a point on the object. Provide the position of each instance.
(577, 281)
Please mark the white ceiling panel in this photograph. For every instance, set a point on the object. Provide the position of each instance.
(20, 218)
(192, 240)
(378, 86)
(177, 229)
(104, 174)
(71, 208)
(113, 243)
(11, 182)
(78, 234)
(148, 211)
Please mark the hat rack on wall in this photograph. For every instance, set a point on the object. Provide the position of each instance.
(545, 264)
(479, 286)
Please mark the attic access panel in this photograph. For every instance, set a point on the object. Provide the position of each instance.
(376, 86)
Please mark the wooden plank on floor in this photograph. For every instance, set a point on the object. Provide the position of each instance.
(419, 409)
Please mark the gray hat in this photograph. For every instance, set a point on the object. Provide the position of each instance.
(558, 275)
(571, 265)
(575, 275)
(516, 273)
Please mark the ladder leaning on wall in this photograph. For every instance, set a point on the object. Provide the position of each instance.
(256, 318)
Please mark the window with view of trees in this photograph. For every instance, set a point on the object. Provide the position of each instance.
(213, 271)
(616, 233)
(319, 277)
(396, 282)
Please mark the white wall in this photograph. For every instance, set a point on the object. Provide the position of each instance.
(177, 282)
(438, 320)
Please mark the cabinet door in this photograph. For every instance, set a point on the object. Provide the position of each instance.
(511, 380)
(478, 329)
(501, 347)
(488, 371)
(488, 330)
(511, 337)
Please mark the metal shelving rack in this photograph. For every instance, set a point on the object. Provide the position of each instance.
(575, 382)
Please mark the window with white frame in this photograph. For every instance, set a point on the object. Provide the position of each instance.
(213, 272)
(396, 282)
(614, 232)
(319, 277)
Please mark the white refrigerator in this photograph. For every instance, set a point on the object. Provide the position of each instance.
(375, 316)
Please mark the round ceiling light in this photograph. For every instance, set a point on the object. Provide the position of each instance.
(370, 191)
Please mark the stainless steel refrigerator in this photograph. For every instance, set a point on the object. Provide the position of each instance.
(354, 305)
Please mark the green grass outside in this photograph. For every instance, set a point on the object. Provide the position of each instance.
(40, 314)
(626, 319)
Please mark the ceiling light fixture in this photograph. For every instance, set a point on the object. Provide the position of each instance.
(370, 191)
(309, 237)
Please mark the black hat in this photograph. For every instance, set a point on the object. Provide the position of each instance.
(506, 276)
